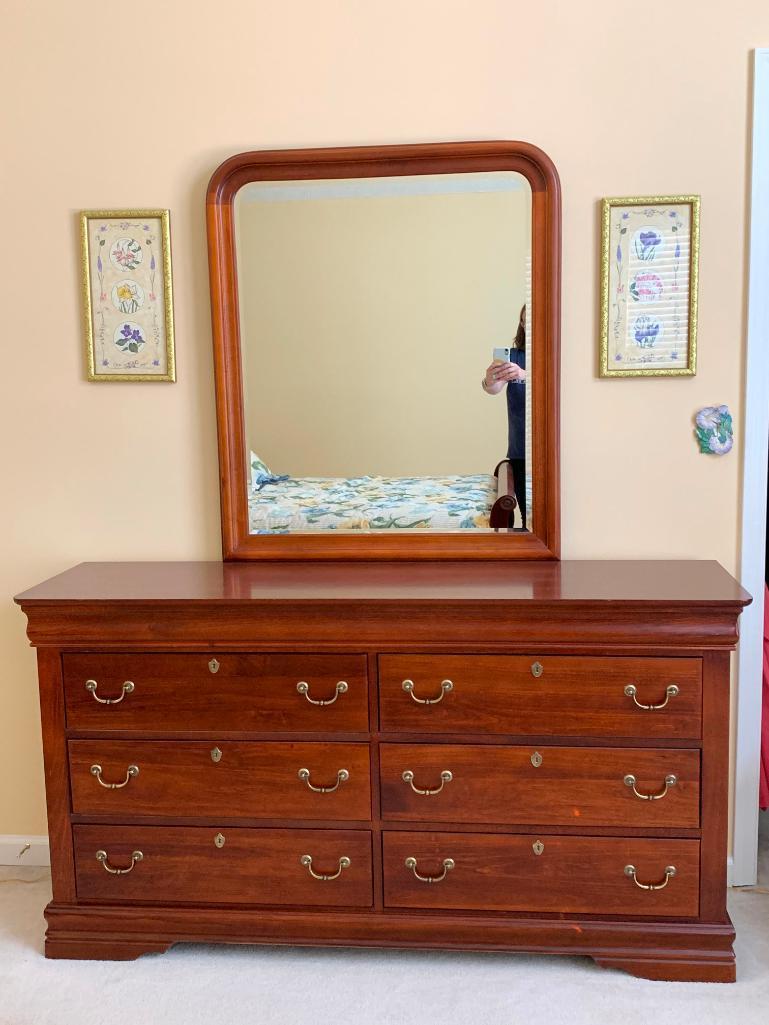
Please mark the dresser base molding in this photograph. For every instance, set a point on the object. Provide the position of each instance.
(688, 952)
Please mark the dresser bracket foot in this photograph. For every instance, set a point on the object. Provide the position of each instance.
(101, 948)
(688, 968)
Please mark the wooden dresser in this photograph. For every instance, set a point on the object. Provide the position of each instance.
(485, 756)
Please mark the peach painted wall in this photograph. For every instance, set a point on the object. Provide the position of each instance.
(93, 117)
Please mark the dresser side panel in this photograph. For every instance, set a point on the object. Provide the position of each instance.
(715, 786)
(56, 766)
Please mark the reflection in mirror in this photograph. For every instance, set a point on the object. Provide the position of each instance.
(385, 344)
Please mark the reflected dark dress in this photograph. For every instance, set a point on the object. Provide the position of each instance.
(516, 431)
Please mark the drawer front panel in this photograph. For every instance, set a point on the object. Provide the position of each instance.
(541, 695)
(540, 786)
(252, 866)
(243, 692)
(571, 875)
(226, 779)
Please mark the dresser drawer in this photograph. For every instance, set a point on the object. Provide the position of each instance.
(225, 691)
(230, 866)
(540, 786)
(229, 779)
(570, 875)
(541, 695)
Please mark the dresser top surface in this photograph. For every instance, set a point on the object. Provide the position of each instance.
(656, 582)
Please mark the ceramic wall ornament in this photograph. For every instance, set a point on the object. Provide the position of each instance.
(713, 427)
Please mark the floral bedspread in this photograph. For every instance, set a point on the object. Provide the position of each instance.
(372, 503)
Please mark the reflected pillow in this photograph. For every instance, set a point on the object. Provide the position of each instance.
(259, 470)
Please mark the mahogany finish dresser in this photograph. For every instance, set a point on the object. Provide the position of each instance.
(517, 756)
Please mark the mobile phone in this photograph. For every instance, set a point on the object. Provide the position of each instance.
(501, 355)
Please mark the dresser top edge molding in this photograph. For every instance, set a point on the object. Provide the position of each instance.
(694, 583)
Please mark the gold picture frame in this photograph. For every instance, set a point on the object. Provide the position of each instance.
(649, 267)
(127, 295)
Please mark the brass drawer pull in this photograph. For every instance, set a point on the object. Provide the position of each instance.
(670, 871)
(448, 864)
(306, 860)
(304, 688)
(96, 770)
(341, 777)
(408, 777)
(670, 781)
(446, 686)
(671, 692)
(91, 685)
(101, 856)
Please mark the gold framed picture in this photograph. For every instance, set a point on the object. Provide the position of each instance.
(128, 295)
(649, 260)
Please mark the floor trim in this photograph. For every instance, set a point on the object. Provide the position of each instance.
(24, 850)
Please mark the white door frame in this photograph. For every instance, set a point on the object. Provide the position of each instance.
(756, 451)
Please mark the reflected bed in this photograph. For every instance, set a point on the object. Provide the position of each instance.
(462, 502)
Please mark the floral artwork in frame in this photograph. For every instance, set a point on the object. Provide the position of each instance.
(649, 260)
(127, 293)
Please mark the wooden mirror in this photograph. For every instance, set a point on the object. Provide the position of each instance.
(386, 346)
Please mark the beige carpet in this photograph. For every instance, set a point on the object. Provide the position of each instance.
(282, 986)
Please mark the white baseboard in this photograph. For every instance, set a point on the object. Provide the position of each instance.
(24, 850)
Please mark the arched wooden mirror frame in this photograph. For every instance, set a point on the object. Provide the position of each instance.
(543, 541)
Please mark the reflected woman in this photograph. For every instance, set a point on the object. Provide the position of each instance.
(512, 375)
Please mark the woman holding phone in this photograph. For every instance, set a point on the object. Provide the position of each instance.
(511, 374)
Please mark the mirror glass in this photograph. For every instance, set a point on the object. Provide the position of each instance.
(385, 346)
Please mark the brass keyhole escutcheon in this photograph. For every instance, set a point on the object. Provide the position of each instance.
(538, 847)
(216, 755)
(536, 759)
(537, 669)
(219, 841)
(213, 665)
